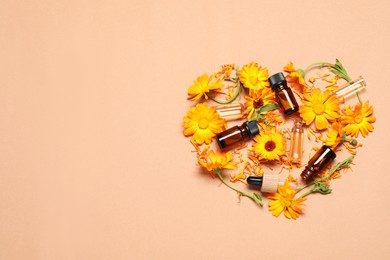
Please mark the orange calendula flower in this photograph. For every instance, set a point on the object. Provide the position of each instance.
(269, 145)
(253, 76)
(272, 119)
(334, 135)
(295, 78)
(203, 123)
(203, 85)
(216, 160)
(283, 200)
(241, 176)
(321, 107)
(257, 99)
(225, 71)
(358, 120)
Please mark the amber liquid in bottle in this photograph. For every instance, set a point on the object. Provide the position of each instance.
(296, 148)
(318, 163)
(235, 135)
(284, 94)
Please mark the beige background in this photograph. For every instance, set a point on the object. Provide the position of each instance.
(93, 163)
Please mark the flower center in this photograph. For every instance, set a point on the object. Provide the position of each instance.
(203, 123)
(258, 103)
(269, 146)
(319, 109)
(285, 202)
(358, 119)
(253, 80)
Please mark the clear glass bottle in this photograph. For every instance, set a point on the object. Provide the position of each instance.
(229, 112)
(284, 94)
(318, 163)
(350, 88)
(296, 148)
(235, 135)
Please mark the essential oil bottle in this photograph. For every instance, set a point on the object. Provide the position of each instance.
(267, 183)
(296, 148)
(233, 111)
(284, 94)
(350, 88)
(318, 163)
(233, 136)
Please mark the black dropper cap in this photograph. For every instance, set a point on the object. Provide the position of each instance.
(252, 127)
(255, 180)
(276, 79)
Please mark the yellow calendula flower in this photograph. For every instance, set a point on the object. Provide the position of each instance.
(204, 85)
(203, 123)
(358, 120)
(257, 99)
(294, 78)
(253, 76)
(334, 135)
(283, 200)
(321, 107)
(216, 160)
(269, 145)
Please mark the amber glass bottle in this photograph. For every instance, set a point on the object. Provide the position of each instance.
(317, 163)
(284, 94)
(233, 136)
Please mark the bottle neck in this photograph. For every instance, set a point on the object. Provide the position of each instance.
(244, 131)
(280, 86)
(307, 174)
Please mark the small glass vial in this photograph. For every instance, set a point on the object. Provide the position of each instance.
(350, 88)
(229, 112)
(237, 134)
(296, 148)
(285, 96)
(317, 163)
(267, 183)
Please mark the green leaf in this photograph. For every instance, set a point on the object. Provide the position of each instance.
(266, 108)
(336, 72)
(338, 63)
(340, 73)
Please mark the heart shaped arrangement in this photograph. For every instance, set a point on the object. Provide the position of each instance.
(262, 109)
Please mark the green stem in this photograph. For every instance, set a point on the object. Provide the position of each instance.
(318, 64)
(358, 96)
(232, 98)
(304, 187)
(242, 193)
(341, 72)
(343, 163)
(349, 140)
(306, 194)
